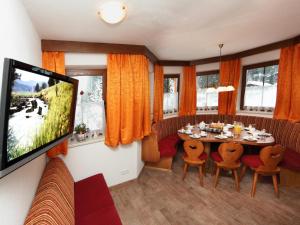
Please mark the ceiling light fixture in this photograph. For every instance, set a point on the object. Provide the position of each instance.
(220, 88)
(112, 12)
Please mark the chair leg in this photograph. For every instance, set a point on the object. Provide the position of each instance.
(274, 177)
(185, 168)
(201, 175)
(203, 169)
(236, 176)
(255, 176)
(217, 176)
(243, 172)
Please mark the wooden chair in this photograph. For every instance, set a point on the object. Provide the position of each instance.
(265, 164)
(227, 158)
(194, 156)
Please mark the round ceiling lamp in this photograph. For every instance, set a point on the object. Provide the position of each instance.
(112, 12)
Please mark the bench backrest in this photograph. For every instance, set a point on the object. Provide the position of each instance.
(54, 199)
(285, 133)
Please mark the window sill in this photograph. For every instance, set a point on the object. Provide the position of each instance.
(255, 113)
(88, 141)
(170, 115)
(203, 112)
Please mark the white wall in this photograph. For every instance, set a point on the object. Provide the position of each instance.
(117, 165)
(18, 40)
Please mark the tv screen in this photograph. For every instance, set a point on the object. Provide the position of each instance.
(38, 112)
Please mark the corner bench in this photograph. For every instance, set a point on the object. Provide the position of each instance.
(159, 148)
(60, 200)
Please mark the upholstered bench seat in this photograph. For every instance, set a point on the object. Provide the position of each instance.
(167, 145)
(291, 160)
(59, 200)
(93, 202)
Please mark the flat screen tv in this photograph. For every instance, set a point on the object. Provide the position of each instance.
(36, 112)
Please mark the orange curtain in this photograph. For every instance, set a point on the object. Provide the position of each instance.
(187, 104)
(128, 99)
(158, 93)
(288, 92)
(230, 72)
(55, 61)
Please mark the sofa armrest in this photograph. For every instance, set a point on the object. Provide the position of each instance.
(150, 151)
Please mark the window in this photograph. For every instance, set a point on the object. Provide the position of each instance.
(207, 100)
(171, 90)
(90, 108)
(259, 86)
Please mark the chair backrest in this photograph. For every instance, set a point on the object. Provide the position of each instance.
(271, 156)
(230, 152)
(193, 149)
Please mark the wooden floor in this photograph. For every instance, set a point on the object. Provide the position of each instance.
(162, 198)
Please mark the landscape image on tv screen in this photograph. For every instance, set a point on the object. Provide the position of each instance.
(39, 112)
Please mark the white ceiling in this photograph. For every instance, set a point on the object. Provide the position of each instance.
(172, 29)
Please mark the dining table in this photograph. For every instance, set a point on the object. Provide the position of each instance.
(212, 137)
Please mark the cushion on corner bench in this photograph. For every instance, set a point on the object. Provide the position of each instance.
(167, 145)
(93, 202)
(291, 160)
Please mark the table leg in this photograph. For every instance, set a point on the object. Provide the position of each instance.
(209, 165)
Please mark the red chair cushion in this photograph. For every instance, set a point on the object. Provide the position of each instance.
(216, 156)
(167, 146)
(252, 161)
(203, 156)
(291, 160)
(92, 199)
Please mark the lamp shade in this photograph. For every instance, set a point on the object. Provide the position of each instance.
(112, 12)
(221, 89)
(211, 90)
(230, 88)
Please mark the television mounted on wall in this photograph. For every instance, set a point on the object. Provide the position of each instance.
(37, 112)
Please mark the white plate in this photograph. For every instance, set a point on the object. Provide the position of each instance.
(181, 131)
(192, 136)
(203, 135)
(250, 138)
(221, 137)
(188, 132)
(229, 126)
(265, 134)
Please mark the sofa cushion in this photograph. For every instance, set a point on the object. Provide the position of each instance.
(167, 145)
(252, 161)
(91, 195)
(104, 216)
(291, 160)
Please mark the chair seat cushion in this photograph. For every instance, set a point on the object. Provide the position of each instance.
(203, 156)
(91, 198)
(252, 161)
(216, 156)
(291, 160)
(167, 146)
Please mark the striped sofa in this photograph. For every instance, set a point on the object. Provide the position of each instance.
(159, 148)
(61, 201)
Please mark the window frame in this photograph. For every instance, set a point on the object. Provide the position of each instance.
(173, 75)
(244, 78)
(207, 73)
